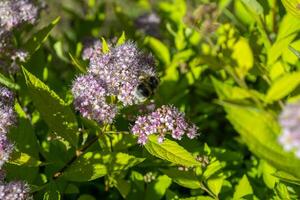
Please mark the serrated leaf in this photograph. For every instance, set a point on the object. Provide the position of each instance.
(242, 189)
(292, 6)
(283, 86)
(34, 43)
(170, 151)
(184, 178)
(259, 130)
(121, 39)
(93, 165)
(56, 113)
(160, 50)
(23, 159)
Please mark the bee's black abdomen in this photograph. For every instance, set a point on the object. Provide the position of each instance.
(143, 90)
(153, 82)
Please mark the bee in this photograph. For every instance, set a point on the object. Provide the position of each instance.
(146, 87)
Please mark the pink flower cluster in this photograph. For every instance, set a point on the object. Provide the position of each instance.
(164, 120)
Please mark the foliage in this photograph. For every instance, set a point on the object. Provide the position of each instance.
(230, 73)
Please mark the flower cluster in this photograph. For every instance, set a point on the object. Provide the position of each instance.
(289, 120)
(164, 120)
(90, 99)
(6, 108)
(122, 68)
(92, 48)
(15, 190)
(14, 14)
(8, 118)
(117, 73)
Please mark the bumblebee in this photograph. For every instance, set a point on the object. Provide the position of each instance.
(146, 88)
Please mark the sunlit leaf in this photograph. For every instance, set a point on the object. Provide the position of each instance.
(170, 151)
(34, 43)
(292, 6)
(243, 188)
(158, 187)
(93, 165)
(186, 179)
(56, 113)
(283, 86)
(160, 50)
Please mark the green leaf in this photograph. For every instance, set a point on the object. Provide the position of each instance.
(243, 188)
(183, 178)
(56, 113)
(34, 43)
(282, 192)
(215, 184)
(78, 64)
(93, 165)
(105, 48)
(229, 92)
(52, 192)
(121, 39)
(283, 176)
(160, 50)
(71, 189)
(87, 167)
(23, 159)
(121, 162)
(254, 6)
(259, 130)
(25, 166)
(283, 86)
(267, 171)
(292, 6)
(123, 186)
(138, 179)
(8, 82)
(212, 169)
(288, 31)
(170, 151)
(158, 188)
(198, 198)
(296, 52)
(243, 56)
